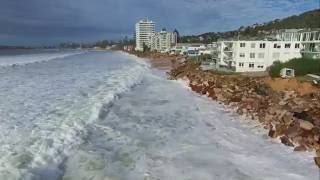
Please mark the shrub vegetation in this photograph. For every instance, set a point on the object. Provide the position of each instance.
(301, 66)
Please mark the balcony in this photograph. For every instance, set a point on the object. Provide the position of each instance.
(228, 59)
(228, 49)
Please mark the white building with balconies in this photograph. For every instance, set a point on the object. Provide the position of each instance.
(309, 38)
(254, 56)
(144, 29)
(163, 41)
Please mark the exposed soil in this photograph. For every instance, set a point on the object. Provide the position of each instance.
(279, 84)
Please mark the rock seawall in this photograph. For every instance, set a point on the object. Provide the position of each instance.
(292, 117)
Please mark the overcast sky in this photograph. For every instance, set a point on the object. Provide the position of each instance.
(42, 22)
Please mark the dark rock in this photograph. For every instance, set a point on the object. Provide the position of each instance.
(262, 89)
(272, 133)
(300, 148)
(303, 115)
(286, 141)
(317, 161)
(293, 130)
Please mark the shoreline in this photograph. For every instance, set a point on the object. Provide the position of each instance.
(160, 61)
(292, 116)
(287, 108)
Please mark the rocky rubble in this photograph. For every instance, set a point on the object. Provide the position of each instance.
(289, 116)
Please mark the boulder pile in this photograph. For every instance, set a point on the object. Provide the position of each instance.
(289, 116)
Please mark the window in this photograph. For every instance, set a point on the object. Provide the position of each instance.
(288, 45)
(242, 55)
(262, 45)
(241, 64)
(252, 55)
(276, 46)
(242, 44)
(260, 67)
(297, 46)
(276, 55)
(261, 55)
(251, 65)
(253, 45)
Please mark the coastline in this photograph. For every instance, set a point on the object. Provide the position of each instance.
(291, 113)
(287, 108)
(160, 61)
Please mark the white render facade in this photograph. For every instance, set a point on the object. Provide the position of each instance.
(144, 29)
(309, 38)
(254, 56)
(163, 41)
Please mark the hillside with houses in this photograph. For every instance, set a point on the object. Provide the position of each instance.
(309, 19)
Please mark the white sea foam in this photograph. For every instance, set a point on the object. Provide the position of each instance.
(21, 59)
(105, 116)
(161, 130)
(47, 112)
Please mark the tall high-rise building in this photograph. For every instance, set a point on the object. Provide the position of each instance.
(144, 29)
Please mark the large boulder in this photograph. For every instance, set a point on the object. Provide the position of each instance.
(293, 130)
(306, 125)
(286, 141)
(300, 148)
(262, 89)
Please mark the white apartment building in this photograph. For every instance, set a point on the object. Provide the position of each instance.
(144, 29)
(163, 41)
(254, 56)
(309, 38)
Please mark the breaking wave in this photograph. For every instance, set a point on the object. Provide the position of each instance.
(13, 60)
(46, 117)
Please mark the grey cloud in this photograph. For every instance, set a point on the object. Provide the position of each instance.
(50, 21)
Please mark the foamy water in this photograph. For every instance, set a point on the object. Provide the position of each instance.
(7, 59)
(107, 115)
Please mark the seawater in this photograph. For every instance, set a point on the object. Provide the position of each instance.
(107, 115)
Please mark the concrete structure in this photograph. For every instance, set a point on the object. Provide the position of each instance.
(254, 56)
(163, 41)
(144, 29)
(309, 38)
(192, 49)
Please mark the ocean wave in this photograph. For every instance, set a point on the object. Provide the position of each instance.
(38, 153)
(14, 60)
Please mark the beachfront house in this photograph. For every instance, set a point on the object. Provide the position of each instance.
(189, 49)
(254, 56)
(257, 55)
